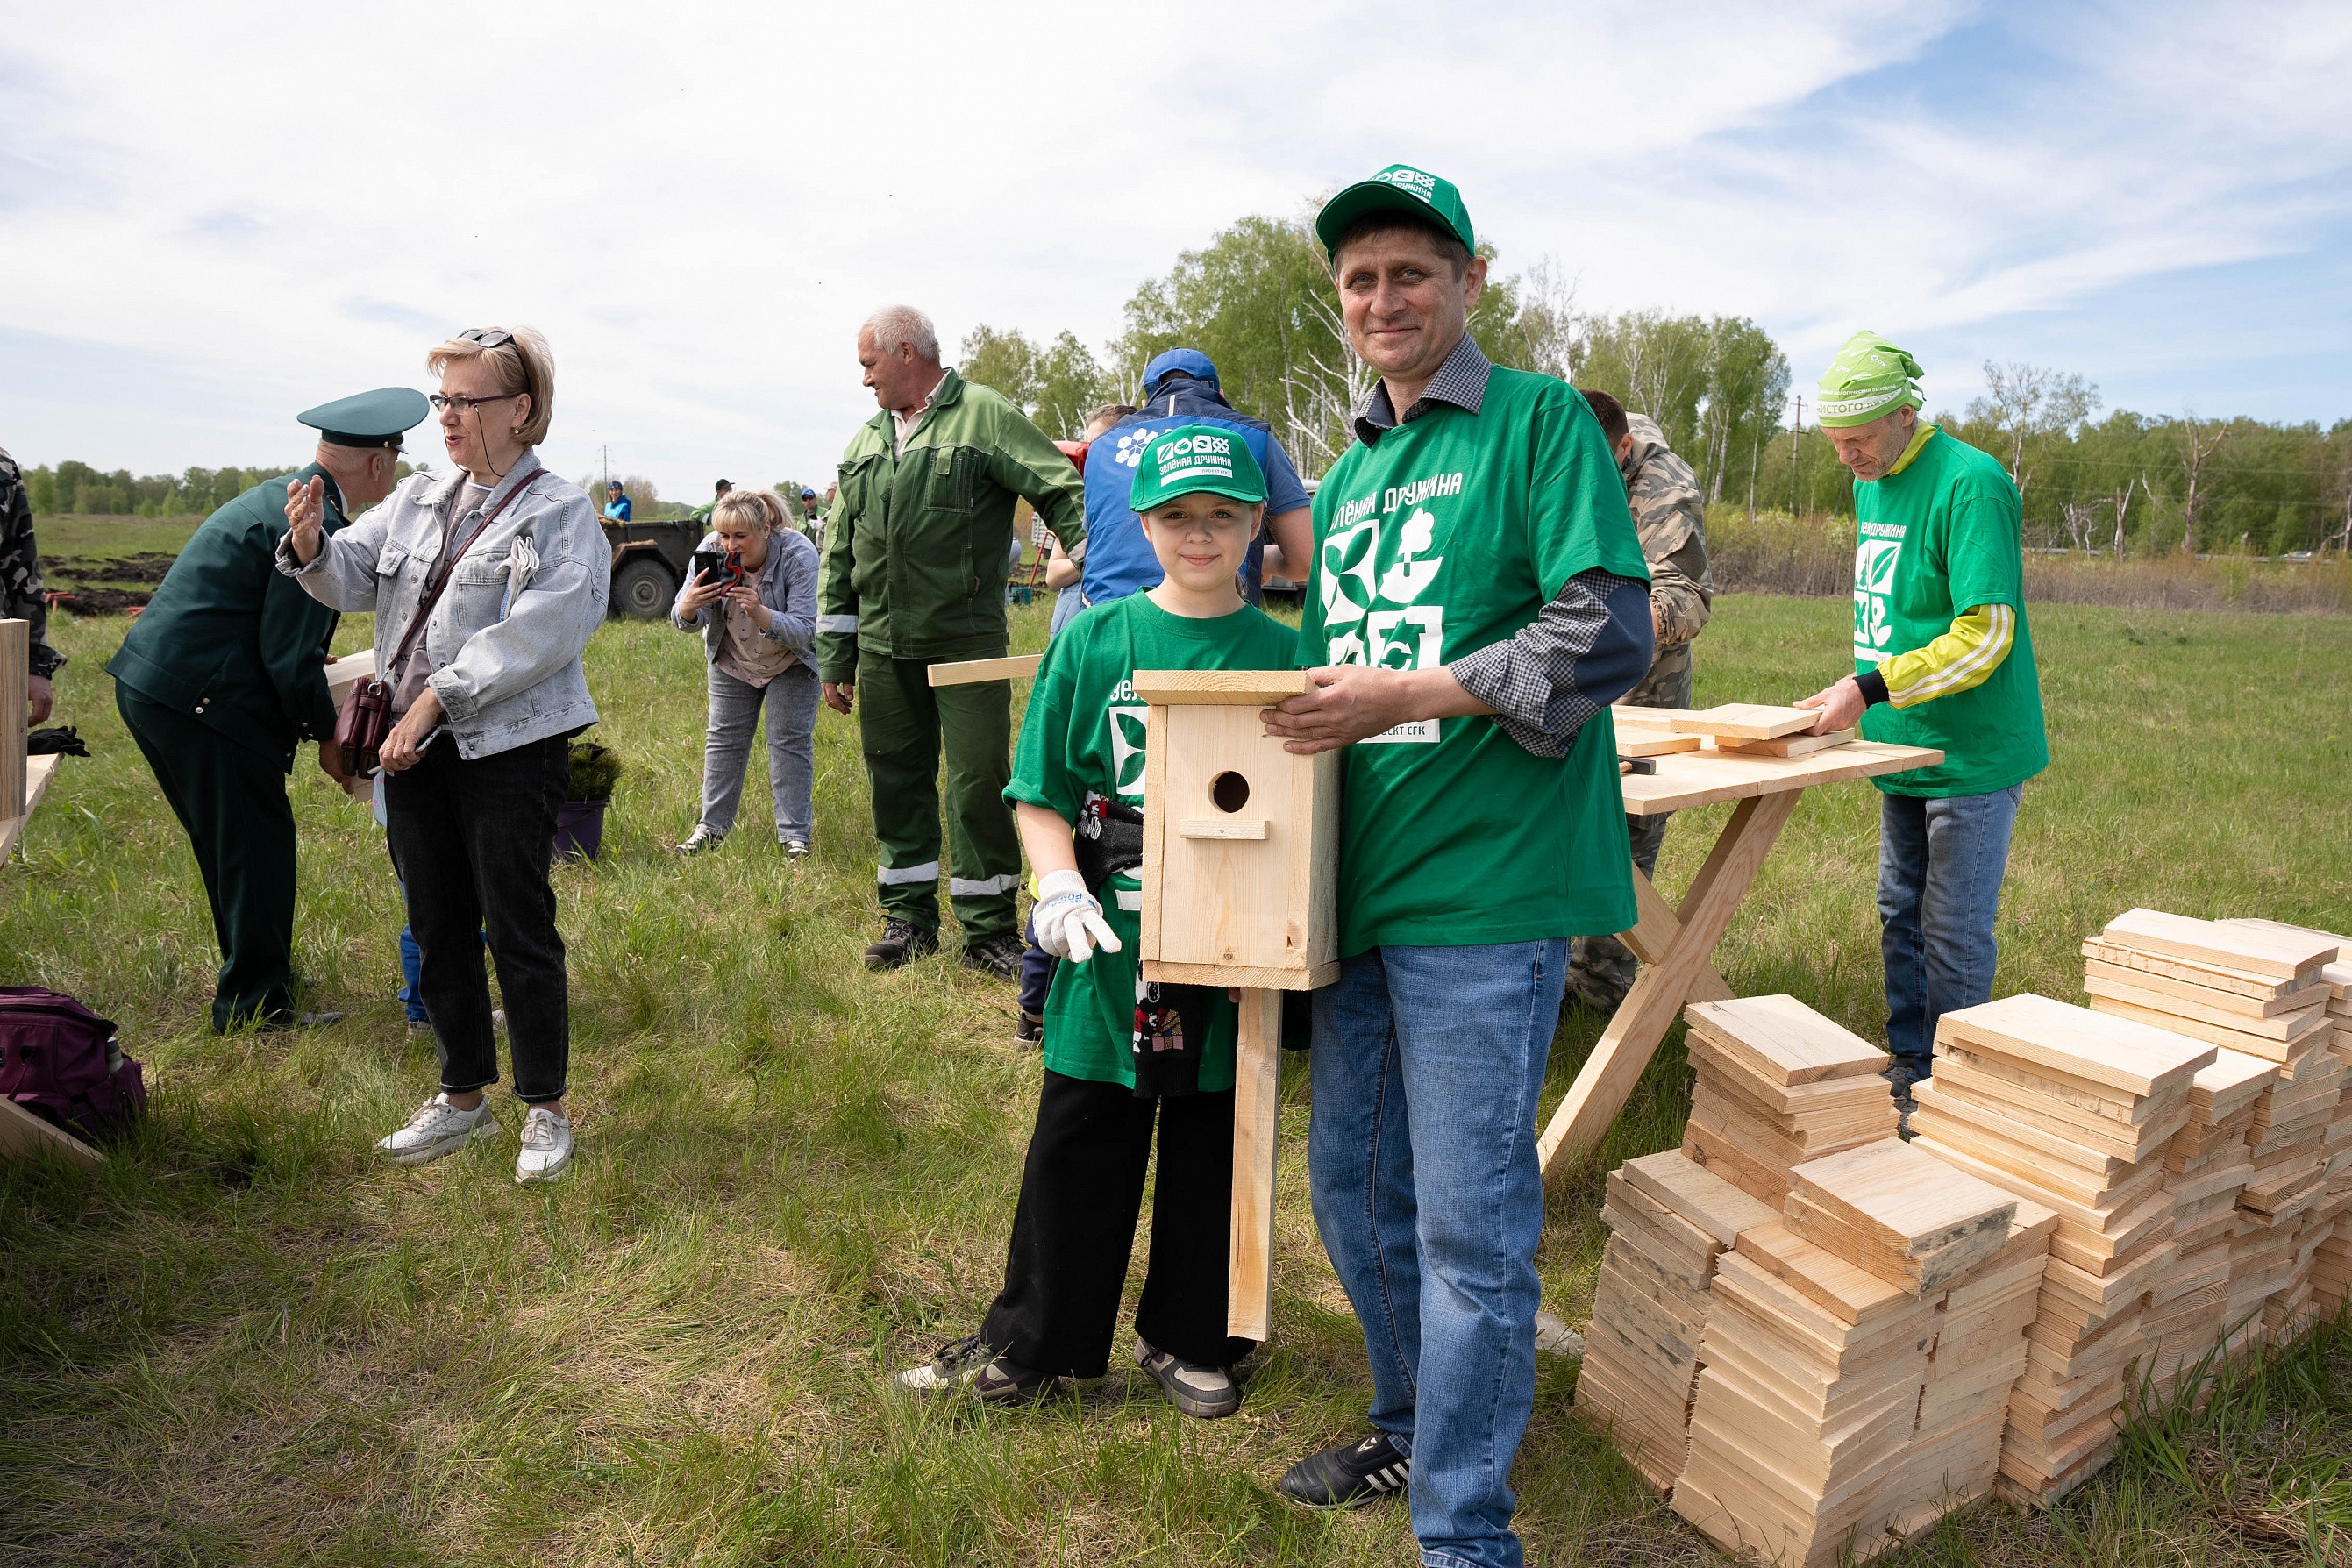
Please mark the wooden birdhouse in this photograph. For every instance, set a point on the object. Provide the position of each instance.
(1240, 839)
(1241, 871)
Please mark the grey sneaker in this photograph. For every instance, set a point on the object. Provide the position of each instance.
(700, 839)
(1204, 1391)
(439, 1128)
(546, 1146)
(968, 1365)
(795, 849)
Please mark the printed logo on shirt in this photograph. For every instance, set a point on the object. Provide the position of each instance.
(1128, 720)
(1878, 550)
(1372, 581)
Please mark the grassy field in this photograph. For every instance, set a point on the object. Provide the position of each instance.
(245, 1341)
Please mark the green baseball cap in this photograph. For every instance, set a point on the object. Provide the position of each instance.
(1193, 457)
(1403, 188)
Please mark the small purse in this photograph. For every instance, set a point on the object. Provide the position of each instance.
(365, 720)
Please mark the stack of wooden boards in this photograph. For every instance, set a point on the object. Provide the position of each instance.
(1741, 729)
(1778, 1085)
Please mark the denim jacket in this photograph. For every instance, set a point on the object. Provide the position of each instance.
(505, 640)
(787, 584)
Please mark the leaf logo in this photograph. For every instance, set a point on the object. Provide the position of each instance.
(1127, 730)
(1350, 562)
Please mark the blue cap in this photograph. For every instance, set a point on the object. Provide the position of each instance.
(1190, 361)
(806, 493)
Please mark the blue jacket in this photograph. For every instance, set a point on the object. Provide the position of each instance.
(1120, 561)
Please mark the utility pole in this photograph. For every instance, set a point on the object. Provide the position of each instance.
(1796, 429)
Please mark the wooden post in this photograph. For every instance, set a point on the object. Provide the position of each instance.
(1257, 1115)
(972, 671)
(15, 665)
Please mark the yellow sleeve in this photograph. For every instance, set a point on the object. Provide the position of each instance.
(1961, 658)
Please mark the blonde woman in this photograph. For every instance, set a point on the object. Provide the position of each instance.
(757, 615)
(507, 568)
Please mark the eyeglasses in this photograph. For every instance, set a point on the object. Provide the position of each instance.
(439, 401)
(489, 337)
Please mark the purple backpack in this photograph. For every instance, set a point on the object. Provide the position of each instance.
(60, 1060)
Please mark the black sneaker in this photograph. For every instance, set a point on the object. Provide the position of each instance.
(1349, 1475)
(1029, 1031)
(902, 942)
(997, 955)
(969, 1366)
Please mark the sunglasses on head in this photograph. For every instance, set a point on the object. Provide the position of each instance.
(489, 337)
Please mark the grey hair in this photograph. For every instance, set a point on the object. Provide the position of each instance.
(894, 325)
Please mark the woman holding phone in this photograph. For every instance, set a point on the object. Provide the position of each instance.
(486, 583)
(753, 598)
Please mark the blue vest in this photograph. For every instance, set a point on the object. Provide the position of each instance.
(1120, 561)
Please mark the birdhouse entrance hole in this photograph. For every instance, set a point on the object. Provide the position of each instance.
(1230, 791)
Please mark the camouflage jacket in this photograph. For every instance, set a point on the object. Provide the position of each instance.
(20, 568)
(1671, 518)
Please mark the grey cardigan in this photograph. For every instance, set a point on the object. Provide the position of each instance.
(506, 639)
(787, 584)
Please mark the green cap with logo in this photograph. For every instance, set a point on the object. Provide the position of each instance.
(1870, 379)
(1403, 188)
(1193, 457)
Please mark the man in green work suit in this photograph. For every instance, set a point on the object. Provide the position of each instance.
(223, 678)
(915, 551)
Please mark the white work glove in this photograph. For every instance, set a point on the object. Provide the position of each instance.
(1069, 922)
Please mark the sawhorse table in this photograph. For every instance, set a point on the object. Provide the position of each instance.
(1675, 944)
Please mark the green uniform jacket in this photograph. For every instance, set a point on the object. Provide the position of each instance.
(231, 640)
(915, 546)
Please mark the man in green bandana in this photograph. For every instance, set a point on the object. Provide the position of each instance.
(1942, 659)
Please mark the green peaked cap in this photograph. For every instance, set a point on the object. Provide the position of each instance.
(1870, 379)
(1400, 187)
(375, 418)
(1213, 457)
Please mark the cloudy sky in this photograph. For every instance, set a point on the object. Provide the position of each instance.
(214, 216)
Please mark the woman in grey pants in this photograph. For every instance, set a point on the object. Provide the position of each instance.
(757, 615)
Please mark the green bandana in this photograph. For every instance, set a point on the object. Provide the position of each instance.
(1870, 379)
(1196, 457)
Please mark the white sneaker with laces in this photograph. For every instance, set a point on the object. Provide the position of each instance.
(439, 1128)
(546, 1146)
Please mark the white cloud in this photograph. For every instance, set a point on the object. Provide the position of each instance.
(241, 209)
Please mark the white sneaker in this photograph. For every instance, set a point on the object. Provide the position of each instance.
(546, 1146)
(439, 1128)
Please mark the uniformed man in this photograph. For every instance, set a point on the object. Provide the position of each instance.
(20, 587)
(1671, 517)
(915, 553)
(223, 678)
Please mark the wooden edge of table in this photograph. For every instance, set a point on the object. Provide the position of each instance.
(1686, 779)
(24, 1133)
(972, 671)
(38, 772)
(1219, 688)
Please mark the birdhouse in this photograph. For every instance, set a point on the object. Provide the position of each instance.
(1240, 839)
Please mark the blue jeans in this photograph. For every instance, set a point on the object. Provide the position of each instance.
(1422, 1159)
(1940, 868)
(790, 700)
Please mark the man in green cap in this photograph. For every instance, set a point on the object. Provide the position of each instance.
(1943, 659)
(224, 676)
(915, 553)
(1479, 599)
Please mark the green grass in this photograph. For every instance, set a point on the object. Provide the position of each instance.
(96, 538)
(245, 1342)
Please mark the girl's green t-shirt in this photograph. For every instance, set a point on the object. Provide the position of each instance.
(1085, 730)
(1451, 534)
(1932, 542)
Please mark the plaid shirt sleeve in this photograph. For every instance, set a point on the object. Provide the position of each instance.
(1583, 650)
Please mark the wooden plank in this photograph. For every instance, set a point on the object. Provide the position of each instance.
(972, 671)
(2241, 1040)
(38, 772)
(1744, 720)
(1708, 778)
(1846, 1290)
(1782, 1041)
(1907, 1199)
(1799, 746)
(1257, 1120)
(2281, 928)
(1653, 938)
(2138, 1059)
(2281, 1026)
(1152, 872)
(347, 672)
(1631, 1037)
(1222, 827)
(1635, 741)
(2249, 948)
(1221, 688)
(2237, 981)
(1698, 1194)
(1240, 977)
(16, 671)
(24, 1135)
(2217, 1003)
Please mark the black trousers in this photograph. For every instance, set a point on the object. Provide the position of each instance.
(473, 842)
(231, 799)
(1081, 1192)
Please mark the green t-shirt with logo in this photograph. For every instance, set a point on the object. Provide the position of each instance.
(1932, 542)
(1085, 730)
(1449, 536)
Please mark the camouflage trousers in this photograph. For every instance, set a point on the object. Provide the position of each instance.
(1600, 968)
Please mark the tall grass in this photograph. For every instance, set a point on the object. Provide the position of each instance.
(245, 1341)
